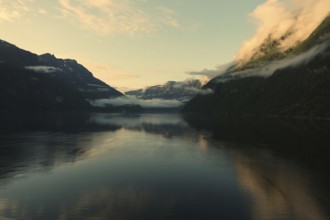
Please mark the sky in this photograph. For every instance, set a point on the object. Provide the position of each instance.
(132, 44)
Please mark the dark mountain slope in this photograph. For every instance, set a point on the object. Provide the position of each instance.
(12, 55)
(29, 82)
(294, 91)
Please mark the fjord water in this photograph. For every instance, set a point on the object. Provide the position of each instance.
(162, 166)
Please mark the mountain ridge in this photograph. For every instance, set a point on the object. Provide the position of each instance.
(178, 90)
(299, 89)
(29, 82)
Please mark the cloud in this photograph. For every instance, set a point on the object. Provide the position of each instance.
(197, 90)
(296, 19)
(120, 101)
(202, 91)
(12, 10)
(42, 11)
(43, 69)
(118, 16)
(212, 72)
(101, 16)
(184, 90)
(139, 121)
(131, 100)
(267, 69)
(158, 103)
(301, 59)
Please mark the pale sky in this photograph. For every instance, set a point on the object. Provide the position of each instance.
(132, 43)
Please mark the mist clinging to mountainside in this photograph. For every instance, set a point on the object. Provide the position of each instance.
(291, 20)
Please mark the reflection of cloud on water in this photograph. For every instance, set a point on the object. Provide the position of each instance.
(168, 125)
(124, 203)
(8, 207)
(278, 189)
(4, 218)
(203, 143)
(136, 120)
(104, 203)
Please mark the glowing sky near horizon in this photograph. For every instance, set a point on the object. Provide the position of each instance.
(131, 43)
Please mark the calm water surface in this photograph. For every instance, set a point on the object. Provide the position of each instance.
(106, 166)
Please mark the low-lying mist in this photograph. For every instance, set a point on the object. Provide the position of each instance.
(132, 100)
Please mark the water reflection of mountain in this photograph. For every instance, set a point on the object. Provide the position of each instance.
(40, 151)
(167, 125)
(46, 140)
(109, 203)
(278, 188)
(268, 154)
(43, 121)
(295, 138)
(121, 167)
(105, 203)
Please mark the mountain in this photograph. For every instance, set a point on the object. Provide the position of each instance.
(293, 83)
(182, 91)
(272, 49)
(29, 82)
(170, 96)
(320, 34)
(269, 50)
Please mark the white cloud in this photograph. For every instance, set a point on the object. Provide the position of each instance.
(202, 91)
(120, 101)
(211, 73)
(118, 16)
(275, 18)
(137, 121)
(43, 69)
(12, 10)
(42, 11)
(101, 16)
(160, 103)
(131, 100)
(301, 59)
(183, 85)
(267, 69)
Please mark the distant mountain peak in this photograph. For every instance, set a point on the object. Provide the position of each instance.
(47, 56)
(171, 90)
(51, 58)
